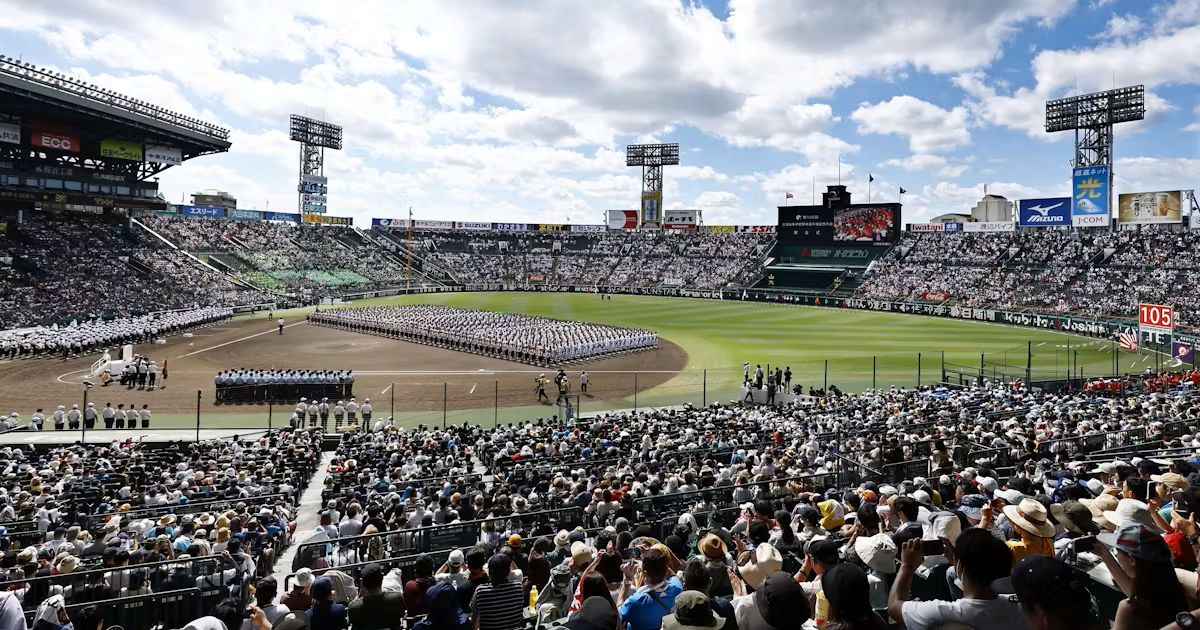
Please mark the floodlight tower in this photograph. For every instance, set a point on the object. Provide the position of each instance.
(1092, 116)
(651, 157)
(314, 137)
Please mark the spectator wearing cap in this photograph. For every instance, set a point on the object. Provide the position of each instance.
(648, 594)
(778, 604)
(374, 608)
(820, 556)
(499, 603)
(693, 611)
(452, 570)
(325, 613)
(299, 597)
(1030, 522)
(1053, 596)
(715, 556)
(756, 565)
(848, 590)
(1166, 485)
(1142, 569)
(980, 559)
(414, 589)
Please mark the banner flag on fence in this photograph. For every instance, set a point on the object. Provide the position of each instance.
(1182, 351)
(1128, 341)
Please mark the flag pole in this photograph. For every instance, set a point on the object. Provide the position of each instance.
(869, 180)
(814, 190)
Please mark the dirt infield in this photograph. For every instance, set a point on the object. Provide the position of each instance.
(412, 379)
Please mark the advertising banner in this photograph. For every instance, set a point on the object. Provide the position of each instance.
(315, 179)
(1089, 196)
(720, 229)
(537, 277)
(313, 208)
(651, 209)
(513, 227)
(54, 139)
(389, 223)
(1053, 212)
(121, 150)
(203, 211)
(245, 215)
(164, 155)
(926, 227)
(424, 224)
(1150, 207)
(680, 219)
(168, 210)
(588, 228)
(282, 216)
(472, 225)
(952, 227)
(325, 219)
(624, 220)
(757, 229)
(10, 133)
(313, 198)
(1182, 351)
(990, 226)
(551, 227)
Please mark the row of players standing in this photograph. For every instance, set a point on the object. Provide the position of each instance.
(345, 413)
(73, 418)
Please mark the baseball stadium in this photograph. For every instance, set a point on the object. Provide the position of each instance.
(360, 412)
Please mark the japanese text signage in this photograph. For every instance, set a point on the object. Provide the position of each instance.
(121, 150)
(10, 133)
(164, 155)
(1089, 196)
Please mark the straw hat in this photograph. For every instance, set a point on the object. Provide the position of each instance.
(1131, 511)
(763, 561)
(712, 547)
(1030, 516)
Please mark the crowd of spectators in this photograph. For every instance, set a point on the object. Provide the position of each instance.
(643, 259)
(1097, 273)
(56, 269)
(923, 506)
(312, 261)
(90, 524)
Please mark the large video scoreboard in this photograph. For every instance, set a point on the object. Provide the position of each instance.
(838, 222)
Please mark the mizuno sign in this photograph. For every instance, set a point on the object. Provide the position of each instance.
(1044, 212)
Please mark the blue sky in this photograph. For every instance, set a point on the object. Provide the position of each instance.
(519, 111)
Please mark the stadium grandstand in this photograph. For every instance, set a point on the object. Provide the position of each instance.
(217, 418)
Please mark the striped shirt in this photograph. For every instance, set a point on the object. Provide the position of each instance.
(499, 607)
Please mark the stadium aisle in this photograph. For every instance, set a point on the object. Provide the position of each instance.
(307, 517)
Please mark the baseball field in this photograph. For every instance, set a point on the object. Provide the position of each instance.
(703, 346)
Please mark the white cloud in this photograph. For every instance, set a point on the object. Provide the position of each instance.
(1120, 28)
(1155, 173)
(929, 128)
(926, 163)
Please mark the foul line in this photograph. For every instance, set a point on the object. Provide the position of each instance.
(385, 390)
(273, 331)
(472, 388)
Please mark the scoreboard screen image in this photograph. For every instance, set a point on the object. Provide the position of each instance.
(864, 224)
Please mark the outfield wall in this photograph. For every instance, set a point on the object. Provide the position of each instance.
(1106, 328)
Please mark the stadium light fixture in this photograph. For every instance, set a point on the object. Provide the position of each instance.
(1092, 117)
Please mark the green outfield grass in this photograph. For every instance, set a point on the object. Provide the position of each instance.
(852, 349)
